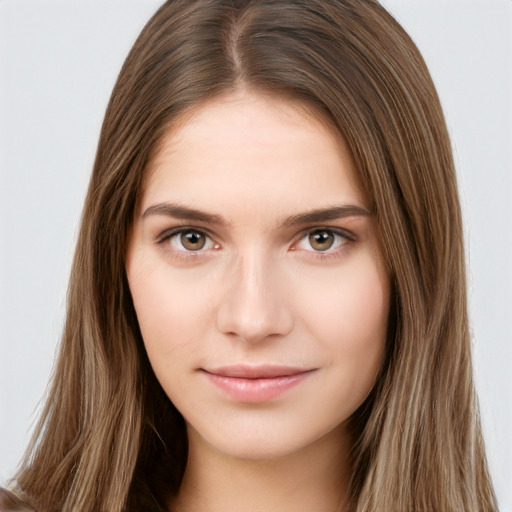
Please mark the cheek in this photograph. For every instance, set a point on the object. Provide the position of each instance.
(171, 316)
(349, 321)
(353, 301)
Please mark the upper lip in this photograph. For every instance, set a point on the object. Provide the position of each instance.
(266, 371)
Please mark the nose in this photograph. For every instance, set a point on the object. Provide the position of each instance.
(254, 306)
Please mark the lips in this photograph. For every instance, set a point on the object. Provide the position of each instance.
(256, 383)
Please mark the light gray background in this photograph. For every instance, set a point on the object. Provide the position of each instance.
(58, 63)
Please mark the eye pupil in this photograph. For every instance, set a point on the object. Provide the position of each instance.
(321, 240)
(192, 240)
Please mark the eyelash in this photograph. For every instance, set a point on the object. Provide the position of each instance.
(343, 238)
(167, 236)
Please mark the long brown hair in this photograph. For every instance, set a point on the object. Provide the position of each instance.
(109, 439)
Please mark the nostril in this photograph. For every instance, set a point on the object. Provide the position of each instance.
(253, 320)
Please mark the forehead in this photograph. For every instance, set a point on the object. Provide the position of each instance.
(246, 150)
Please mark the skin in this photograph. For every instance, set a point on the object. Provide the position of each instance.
(259, 283)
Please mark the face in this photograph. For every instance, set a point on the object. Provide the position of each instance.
(255, 275)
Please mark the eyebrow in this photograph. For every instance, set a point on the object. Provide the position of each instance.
(319, 215)
(326, 214)
(183, 212)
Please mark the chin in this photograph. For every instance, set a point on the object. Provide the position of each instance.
(267, 443)
(259, 451)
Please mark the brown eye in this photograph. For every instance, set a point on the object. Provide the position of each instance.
(321, 240)
(192, 240)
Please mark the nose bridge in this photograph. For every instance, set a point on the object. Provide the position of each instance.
(254, 305)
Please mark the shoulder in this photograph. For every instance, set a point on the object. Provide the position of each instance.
(9, 502)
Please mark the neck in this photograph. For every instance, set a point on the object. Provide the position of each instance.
(315, 478)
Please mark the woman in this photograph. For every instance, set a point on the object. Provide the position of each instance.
(267, 307)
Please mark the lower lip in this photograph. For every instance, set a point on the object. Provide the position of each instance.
(256, 390)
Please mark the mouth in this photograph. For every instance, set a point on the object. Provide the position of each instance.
(255, 384)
